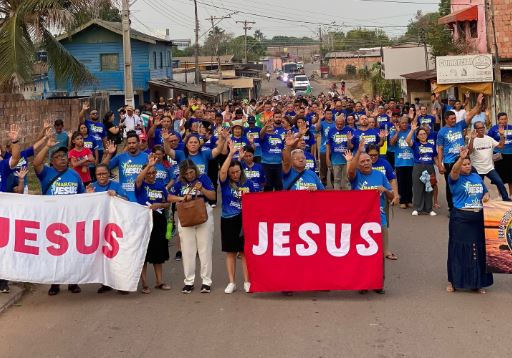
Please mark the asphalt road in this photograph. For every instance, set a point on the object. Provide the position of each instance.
(415, 318)
(318, 86)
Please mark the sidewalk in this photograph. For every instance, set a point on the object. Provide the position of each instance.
(11, 298)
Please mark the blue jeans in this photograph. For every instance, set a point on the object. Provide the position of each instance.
(496, 180)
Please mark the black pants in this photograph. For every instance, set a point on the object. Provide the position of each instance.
(404, 179)
(273, 177)
(390, 156)
(447, 170)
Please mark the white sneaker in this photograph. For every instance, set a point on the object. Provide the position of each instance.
(433, 213)
(415, 213)
(247, 286)
(230, 288)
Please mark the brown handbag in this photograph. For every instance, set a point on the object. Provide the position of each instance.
(192, 212)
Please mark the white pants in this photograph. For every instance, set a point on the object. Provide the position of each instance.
(197, 239)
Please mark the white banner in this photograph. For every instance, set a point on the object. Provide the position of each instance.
(86, 238)
(464, 69)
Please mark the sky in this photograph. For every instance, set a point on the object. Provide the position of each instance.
(290, 17)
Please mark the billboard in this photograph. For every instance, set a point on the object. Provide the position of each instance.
(464, 69)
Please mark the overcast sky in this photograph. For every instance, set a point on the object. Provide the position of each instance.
(306, 16)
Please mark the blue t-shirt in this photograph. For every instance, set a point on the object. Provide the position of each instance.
(371, 136)
(200, 159)
(68, 183)
(309, 138)
(383, 166)
(391, 148)
(467, 191)
(290, 114)
(451, 139)
(424, 153)
(97, 130)
(325, 127)
(255, 174)
(129, 168)
(112, 185)
(310, 161)
(372, 181)
(239, 143)
(163, 174)
(5, 171)
(384, 121)
(404, 156)
(272, 149)
(181, 188)
(232, 196)
(308, 181)
(338, 144)
(151, 193)
(23, 163)
(159, 139)
(432, 138)
(426, 119)
(494, 133)
(90, 143)
(255, 133)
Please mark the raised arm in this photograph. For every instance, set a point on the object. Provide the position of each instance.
(81, 115)
(290, 144)
(43, 153)
(394, 138)
(140, 178)
(475, 110)
(110, 150)
(353, 161)
(223, 173)
(408, 139)
(455, 173)
(13, 135)
(221, 144)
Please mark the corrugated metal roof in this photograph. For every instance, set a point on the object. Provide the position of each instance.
(421, 75)
(115, 27)
(211, 90)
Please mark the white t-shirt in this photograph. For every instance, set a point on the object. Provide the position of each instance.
(481, 156)
(131, 122)
(459, 115)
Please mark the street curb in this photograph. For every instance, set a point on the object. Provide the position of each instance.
(14, 298)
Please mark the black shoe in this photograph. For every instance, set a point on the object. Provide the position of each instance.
(54, 290)
(380, 291)
(104, 289)
(4, 286)
(187, 289)
(178, 256)
(363, 292)
(74, 288)
(206, 289)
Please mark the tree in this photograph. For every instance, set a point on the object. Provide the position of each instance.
(96, 9)
(258, 35)
(216, 42)
(425, 28)
(25, 26)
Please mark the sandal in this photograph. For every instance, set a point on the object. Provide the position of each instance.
(391, 256)
(163, 286)
(450, 288)
(145, 290)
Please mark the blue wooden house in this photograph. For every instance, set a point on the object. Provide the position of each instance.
(98, 45)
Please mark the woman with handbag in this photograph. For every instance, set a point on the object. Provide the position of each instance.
(234, 184)
(425, 156)
(195, 223)
(153, 193)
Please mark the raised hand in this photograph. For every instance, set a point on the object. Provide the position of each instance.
(473, 134)
(90, 188)
(411, 113)
(501, 131)
(480, 98)
(22, 173)
(231, 146)
(348, 155)
(85, 106)
(414, 125)
(241, 153)
(152, 160)
(51, 141)
(111, 147)
(383, 133)
(290, 140)
(362, 143)
(464, 152)
(47, 123)
(350, 136)
(13, 133)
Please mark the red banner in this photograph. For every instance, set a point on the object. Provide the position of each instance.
(304, 241)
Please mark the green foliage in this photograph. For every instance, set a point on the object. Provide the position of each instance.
(381, 86)
(354, 40)
(99, 9)
(189, 51)
(444, 7)
(351, 70)
(26, 26)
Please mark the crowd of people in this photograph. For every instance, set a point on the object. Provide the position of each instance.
(169, 152)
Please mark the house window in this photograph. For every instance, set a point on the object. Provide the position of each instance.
(161, 60)
(473, 29)
(109, 62)
(154, 60)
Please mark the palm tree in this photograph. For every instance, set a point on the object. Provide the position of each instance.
(258, 35)
(25, 27)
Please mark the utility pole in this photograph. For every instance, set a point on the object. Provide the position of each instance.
(245, 22)
(127, 54)
(423, 38)
(321, 45)
(216, 39)
(196, 47)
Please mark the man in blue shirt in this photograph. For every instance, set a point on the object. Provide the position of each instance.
(339, 140)
(383, 120)
(130, 163)
(57, 180)
(271, 156)
(426, 119)
(95, 128)
(324, 126)
(450, 139)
